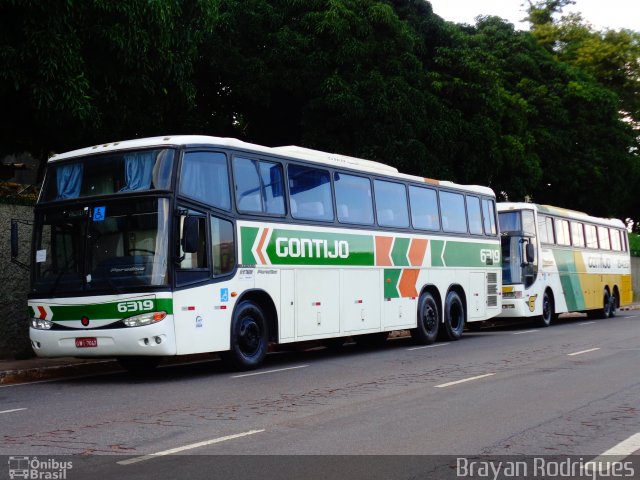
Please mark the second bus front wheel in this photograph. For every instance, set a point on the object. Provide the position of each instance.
(249, 337)
(454, 317)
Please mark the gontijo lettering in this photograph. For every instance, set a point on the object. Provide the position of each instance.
(311, 248)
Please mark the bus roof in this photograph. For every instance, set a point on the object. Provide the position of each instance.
(560, 212)
(291, 151)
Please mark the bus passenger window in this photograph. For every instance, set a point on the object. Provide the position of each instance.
(592, 237)
(603, 237)
(391, 204)
(310, 193)
(204, 177)
(577, 234)
(353, 199)
(222, 246)
(488, 212)
(453, 216)
(474, 216)
(424, 208)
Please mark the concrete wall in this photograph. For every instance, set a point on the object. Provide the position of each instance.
(14, 284)
(635, 278)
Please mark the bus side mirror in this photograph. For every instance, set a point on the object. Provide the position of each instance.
(190, 234)
(530, 253)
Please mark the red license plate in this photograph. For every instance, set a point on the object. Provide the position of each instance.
(86, 342)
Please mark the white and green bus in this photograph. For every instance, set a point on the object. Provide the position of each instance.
(556, 260)
(189, 244)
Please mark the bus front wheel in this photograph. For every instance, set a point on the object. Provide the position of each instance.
(548, 313)
(453, 316)
(428, 320)
(249, 337)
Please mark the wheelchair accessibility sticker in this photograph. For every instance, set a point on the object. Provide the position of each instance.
(224, 294)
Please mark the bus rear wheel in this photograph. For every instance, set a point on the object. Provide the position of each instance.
(613, 304)
(249, 337)
(605, 311)
(454, 316)
(426, 331)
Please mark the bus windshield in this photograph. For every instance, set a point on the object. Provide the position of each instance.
(109, 246)
(106, 174)
(517, 230)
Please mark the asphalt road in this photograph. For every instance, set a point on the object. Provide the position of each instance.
(571, 389)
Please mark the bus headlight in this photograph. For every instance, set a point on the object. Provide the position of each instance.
(144, 319)
(41, 324)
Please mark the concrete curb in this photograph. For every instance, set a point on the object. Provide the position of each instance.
(51, 372)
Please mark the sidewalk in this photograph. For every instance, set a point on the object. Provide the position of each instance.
(38, 369)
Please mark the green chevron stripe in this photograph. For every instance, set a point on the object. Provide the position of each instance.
(247, 239)
(399, 252)
(391, 278)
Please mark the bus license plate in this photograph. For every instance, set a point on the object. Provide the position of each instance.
(86, 342)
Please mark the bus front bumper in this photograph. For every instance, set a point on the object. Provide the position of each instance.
(152, 340)
(516, 308)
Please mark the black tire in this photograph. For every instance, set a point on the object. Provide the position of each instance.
(454, 317)
(371, 340)
(139, 365)
(249, 337)
(603, 312)
(548, 311)
(426, 331)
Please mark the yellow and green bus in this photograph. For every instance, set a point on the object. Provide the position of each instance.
(556, 260)
(189, 244)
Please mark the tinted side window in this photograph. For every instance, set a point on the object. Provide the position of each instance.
(453, 214)
(474, 216)
(204, 176)
(272, 187)
(222, 246)
(353, 199)
(424, 208)
(259, 186)
(310, 193)
(391, 204)
(247, 183)
(489, 214)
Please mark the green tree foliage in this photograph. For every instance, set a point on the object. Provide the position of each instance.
(380, 79)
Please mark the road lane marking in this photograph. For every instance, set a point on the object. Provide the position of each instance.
(586, 323)
(583, 351)
(268, 371)
(187, 447)
(448, 384)
(428, 346)
(13, 410)
(617, 453)
(526, 331)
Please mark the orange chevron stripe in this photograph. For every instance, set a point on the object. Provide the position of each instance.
(407, 284)
(417, 249)
(263, 237)
(383, 251)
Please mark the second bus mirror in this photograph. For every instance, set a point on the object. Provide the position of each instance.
(530, 252)
(190, 234)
